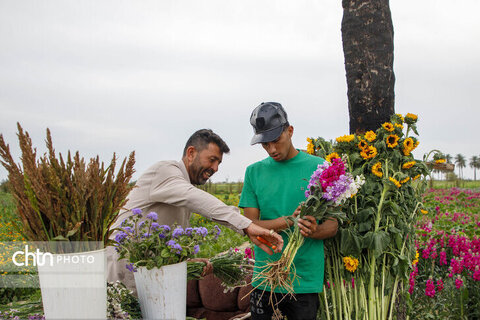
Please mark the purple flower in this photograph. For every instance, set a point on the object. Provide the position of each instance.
(201, 231)
(128, 229)
(137, 212)
(146, 235)
(174, 246)
(152, 215)
(218, 232)
(188, 231)
(120, 237)
(171, 243)
(196, 248)
(155, 226)
(131, 267)
(177, 232)
(141, 224)
(165, 227)
(178, 248)
(161, 236)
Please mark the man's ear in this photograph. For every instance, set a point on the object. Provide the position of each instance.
(290, 131)
(191, 153)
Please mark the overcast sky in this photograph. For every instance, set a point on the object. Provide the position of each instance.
(117, 76)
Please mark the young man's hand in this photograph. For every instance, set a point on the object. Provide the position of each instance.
(271, 237)
(309, 228)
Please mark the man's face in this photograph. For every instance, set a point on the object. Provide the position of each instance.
(280, 148)
(203, 164)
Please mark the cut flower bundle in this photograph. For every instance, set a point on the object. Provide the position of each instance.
(329, 186)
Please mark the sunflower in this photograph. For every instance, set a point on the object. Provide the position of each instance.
(370, 136)
(346, 138)
(408, 146)
(351, 264)
(414, 262)
(398, 125)
(400, 117)
(423, 211)
(411, 116)
(310, 146)
(388, 126)
(395, 182)
(362, 145)
(408, 165)
(416, 177)
(405, 180)
(369, 152)
(331, 156)
(376, 169)
(440, 161)
(392, 141)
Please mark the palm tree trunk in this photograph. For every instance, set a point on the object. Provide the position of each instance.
(367, 34)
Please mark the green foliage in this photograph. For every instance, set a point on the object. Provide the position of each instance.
(378, 231)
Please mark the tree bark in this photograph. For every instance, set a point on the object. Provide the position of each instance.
(367, 35)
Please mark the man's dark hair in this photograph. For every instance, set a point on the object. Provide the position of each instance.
(201, 138)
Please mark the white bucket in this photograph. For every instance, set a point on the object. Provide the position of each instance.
(162, 292)
(74, 285)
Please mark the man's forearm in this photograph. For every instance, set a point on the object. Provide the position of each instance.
(277, 224)
(327, 229)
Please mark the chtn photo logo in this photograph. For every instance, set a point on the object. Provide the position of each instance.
(41, 258)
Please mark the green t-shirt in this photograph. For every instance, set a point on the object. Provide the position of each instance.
(276, 189)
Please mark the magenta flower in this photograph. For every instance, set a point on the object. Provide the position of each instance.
(430, 288)
(458, 282)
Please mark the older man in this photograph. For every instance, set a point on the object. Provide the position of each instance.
(167, 188)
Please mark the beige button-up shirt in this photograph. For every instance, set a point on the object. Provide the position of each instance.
(165, 188)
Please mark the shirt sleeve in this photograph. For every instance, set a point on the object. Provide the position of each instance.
(248, 199)
(171, 187)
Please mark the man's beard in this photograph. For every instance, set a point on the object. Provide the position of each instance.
(198, 172)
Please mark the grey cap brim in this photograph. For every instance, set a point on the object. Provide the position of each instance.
(267, 136)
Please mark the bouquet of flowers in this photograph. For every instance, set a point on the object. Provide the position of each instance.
(231, 267)
(145, 243)
(329, 186)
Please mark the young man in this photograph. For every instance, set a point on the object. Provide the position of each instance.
(167, 188)
(273, 188)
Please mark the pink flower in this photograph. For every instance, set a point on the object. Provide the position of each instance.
(440, 285)
(458, 282)
(430, 288)
(443, 258)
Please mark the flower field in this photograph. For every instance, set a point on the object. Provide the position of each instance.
(444, 283)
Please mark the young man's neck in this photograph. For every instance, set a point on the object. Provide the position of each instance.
(291, 153)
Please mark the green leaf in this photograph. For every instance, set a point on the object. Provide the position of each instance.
(364, 214)
(165, 253)
(350, 243)
(159, 261)
(381, 240)
(365, 226)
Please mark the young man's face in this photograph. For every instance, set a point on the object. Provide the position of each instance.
(203, 164)
(281, 148)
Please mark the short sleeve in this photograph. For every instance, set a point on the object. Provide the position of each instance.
(248, 199)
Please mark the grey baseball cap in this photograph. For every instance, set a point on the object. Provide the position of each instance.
(267, 120)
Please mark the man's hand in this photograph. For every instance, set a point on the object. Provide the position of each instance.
(310, 229)
(208, 266)
(308, 226)
(271, 236)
